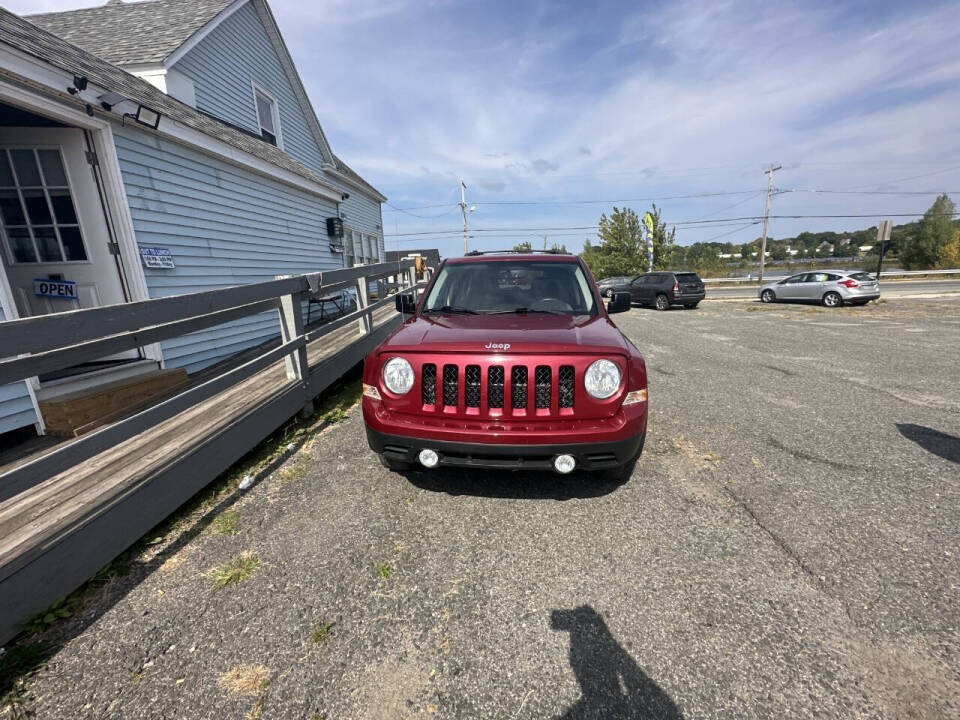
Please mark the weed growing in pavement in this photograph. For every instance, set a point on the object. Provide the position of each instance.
(227, 523)
(761, 308)
(384, 570)
(321, 633)
(245, 679)
(235, 571)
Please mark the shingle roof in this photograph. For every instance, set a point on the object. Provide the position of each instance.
(126, 33)
(352, 174)
(32, 40)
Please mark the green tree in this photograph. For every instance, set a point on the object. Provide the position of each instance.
(620, 250)
(561, 248)
(523, 247)
(664, 242)
(927, 247)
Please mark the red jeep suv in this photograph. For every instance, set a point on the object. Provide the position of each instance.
(508, 361)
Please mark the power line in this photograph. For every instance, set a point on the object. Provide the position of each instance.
(714, 222)
(731, 232)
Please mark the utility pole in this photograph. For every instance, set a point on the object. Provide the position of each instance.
(766, 216)
(463, 209)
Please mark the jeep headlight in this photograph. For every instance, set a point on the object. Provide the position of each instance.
(398, 376)
(602, 379)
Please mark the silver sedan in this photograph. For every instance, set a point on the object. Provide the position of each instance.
(832, 288)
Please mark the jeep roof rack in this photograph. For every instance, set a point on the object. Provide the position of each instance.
(551, 251)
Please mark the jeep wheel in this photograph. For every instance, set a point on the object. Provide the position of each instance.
(767, 296)
(608, 293)
(394, 465)
(832, 299)
(662, 303)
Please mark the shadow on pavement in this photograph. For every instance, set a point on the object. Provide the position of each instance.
(933, 441)
(612, 685)
(517, 485)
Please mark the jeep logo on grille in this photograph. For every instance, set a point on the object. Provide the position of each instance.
(497, 346)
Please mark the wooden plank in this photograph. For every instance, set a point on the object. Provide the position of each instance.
(50, 332)
(37, 364)
(65, 561)
(66, 456)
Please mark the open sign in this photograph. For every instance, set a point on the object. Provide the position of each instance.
(66, 289)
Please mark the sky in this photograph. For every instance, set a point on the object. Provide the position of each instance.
(553, 112)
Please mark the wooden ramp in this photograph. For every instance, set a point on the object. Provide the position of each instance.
(60, 521)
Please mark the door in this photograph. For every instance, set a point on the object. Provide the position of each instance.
(636, 289)
(55, 242)
(812, 286)
(790, 289)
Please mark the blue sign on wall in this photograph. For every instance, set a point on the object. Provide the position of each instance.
(65, 289)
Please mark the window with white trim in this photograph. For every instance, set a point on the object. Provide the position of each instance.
(39, 220)
(267, 116)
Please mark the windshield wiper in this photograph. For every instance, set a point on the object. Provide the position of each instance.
(524, 311)
(451, 309)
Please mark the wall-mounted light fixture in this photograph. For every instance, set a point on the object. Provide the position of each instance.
(148, 117)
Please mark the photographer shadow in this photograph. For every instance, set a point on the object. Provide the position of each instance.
(612, 685)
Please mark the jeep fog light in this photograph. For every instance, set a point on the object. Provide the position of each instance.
(428, 458)
(564, 464)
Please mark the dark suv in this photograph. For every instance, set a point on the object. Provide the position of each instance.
(663, 289)
(508, 361)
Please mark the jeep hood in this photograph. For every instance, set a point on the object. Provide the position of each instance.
(532, 333)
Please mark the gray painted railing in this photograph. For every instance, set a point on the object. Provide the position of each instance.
(40, 575)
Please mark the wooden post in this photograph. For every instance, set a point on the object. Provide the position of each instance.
(291, 327)
(365, 323)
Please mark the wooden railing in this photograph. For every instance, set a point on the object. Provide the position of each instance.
(42, 344)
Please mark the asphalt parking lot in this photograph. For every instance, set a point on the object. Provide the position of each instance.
(786, 548)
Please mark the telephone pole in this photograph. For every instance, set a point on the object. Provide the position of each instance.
(463, 209)
(766, 216)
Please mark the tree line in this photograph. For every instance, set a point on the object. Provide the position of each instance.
(929, 243)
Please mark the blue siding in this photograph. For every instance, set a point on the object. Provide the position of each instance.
(222, 66)
(16, 408)
(224, 226)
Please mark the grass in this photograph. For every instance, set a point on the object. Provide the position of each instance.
(761, 308)
(321, 633)
(227, 523)
(245, 680)
(385, 571)
(235, 571)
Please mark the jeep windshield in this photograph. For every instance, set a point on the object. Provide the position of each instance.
(500, 287)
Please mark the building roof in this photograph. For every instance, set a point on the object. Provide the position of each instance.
(50, 48)
(129, 33)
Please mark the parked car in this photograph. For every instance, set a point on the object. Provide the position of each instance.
(610, 285)
(508, 361)
(663, 289)
(832, 289)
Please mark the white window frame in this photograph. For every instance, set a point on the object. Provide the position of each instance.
(274, 111)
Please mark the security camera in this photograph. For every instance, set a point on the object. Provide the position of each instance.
(80, 82)
(345, 196)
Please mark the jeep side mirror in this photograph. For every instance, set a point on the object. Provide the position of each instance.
(620, 302)
(405, 304)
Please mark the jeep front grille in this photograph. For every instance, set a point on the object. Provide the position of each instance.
(450, 390)
(552, 390)
(428, 384)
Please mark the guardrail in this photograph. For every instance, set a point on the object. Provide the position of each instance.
(895, 273)
(34, 574)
